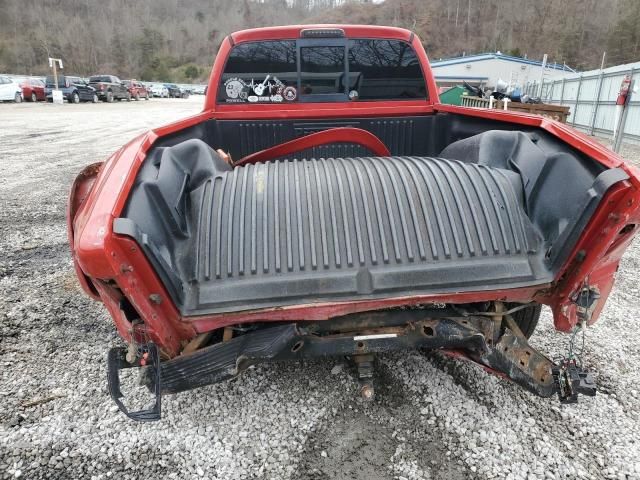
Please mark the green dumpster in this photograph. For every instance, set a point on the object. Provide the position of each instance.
(453, 96)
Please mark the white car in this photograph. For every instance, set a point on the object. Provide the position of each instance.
(161, 91)
(10, 90)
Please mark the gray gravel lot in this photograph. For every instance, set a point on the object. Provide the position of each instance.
(433, 417)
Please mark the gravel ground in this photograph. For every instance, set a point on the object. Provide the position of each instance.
(433, 417)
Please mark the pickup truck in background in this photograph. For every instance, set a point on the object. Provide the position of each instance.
(325, 202)
(109, 88)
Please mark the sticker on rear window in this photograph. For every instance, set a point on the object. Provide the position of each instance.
(290, 94)
(236, 90)
(270, 90)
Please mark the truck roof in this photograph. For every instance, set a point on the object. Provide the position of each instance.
(294, 31)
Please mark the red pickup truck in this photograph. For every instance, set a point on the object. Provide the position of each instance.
(325, 203)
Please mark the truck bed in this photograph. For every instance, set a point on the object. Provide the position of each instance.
(299, 231)
(296, 231)
(490, 210)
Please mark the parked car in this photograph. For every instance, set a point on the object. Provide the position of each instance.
(199, 89)
(109, 88)
(74, 89)
(174, 90)
(159, 90)
(33, 89)
(136, 89)
(185, 91)
(10, 90)
(360, 216)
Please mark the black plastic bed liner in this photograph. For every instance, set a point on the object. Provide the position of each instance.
(316, 230)
(301, 231)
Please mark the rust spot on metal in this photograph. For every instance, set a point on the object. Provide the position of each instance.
(534, 368)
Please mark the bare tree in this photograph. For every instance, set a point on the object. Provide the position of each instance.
(151, 39)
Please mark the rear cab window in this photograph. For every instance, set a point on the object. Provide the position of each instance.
(322, 70)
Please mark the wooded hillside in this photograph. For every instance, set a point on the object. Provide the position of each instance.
(177, 39)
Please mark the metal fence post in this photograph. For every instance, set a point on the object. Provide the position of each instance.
(550, 91)
(549, 86)
(573, 122)
(594, 110)
(562, 91)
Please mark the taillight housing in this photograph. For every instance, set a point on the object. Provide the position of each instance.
(66, 83)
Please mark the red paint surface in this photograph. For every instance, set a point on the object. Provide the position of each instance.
(28, 87)
(332, 135)
(105, 260)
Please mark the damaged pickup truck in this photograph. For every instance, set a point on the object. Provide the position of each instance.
(325, 203)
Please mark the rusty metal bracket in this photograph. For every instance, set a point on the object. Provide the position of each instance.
(527, 367)
(365, 366)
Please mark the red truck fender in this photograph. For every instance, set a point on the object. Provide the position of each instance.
(79, 192)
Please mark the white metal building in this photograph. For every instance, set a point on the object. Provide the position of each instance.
(486, 68)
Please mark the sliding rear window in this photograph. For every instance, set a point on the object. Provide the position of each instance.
(329, 70)
(385, 70)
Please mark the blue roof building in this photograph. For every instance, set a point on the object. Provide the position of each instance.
(486, 69)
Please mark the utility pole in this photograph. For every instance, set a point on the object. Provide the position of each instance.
(56, 94)
(544, 66)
